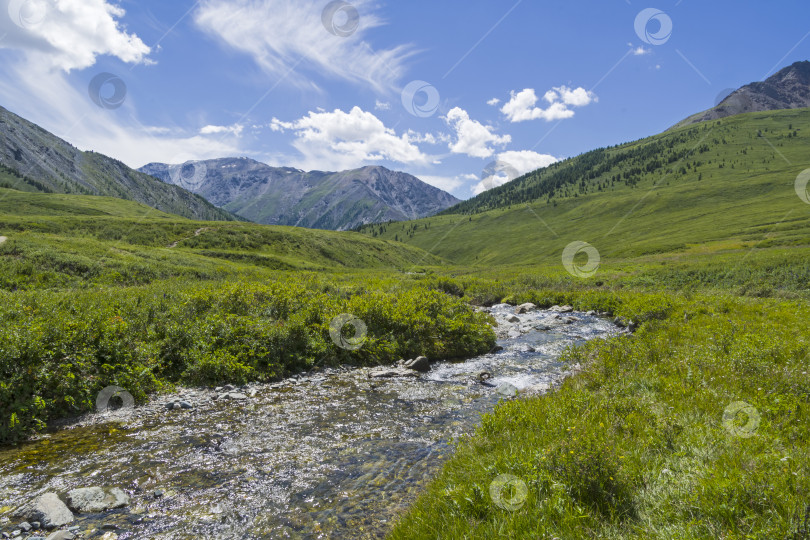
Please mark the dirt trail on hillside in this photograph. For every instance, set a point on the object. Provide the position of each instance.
(198, 232)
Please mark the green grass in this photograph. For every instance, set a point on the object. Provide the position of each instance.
(691, 201)
(715, 270)
(635, 446)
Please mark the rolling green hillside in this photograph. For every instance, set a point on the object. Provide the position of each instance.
(32, 159)
(57, 240)
(717, 185)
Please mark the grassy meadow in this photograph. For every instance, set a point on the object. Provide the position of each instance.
(695, 426)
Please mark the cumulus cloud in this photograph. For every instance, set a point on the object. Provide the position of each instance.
(69, 34)
(494, 101)
(287, 37)
(510, 165)
(348, 139)
(235, 130)
(522, 105)
(472, 137)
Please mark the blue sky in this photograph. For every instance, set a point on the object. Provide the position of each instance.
(319, 84)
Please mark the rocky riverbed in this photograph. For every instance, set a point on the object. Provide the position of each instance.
(333, 454)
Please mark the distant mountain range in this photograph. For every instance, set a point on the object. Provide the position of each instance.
(34, 160)
(787, 89)
(315, 199)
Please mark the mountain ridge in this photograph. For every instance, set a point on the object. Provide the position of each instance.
(789, 88)
(339, 200)
(35, 160)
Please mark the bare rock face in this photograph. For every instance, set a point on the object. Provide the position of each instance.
(95, 499)
(787, 89)
(49, 510)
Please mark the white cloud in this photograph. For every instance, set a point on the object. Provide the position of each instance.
(494, 101)
(338, 139)
(510, 165)
(285, 37)
(382, 105)
(641, 51)
(522, 105)
(472, 137)
(446, 183)
(235, 130)
(69, 34)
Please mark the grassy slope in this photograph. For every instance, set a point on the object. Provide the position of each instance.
(71, 240)
(751, 203)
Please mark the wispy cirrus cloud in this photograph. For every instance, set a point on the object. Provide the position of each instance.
(288, 38)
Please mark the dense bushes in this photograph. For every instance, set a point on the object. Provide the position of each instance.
(58, 350)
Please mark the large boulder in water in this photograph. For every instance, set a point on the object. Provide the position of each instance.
(420, 363)
(49, 510)
(95, 499)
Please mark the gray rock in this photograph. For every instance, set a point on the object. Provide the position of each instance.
(36, 524)
(186, 405)
(237, 396)
(25, 526)
(6, 535)
(525, 308)
(561, 309)
(49, 511)
(386, 373)
(420, 363)
(507, 390)
(228, 388)
(15, 533)
(170, 405)
(95, 499)
(62, 535)
(513, 319)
